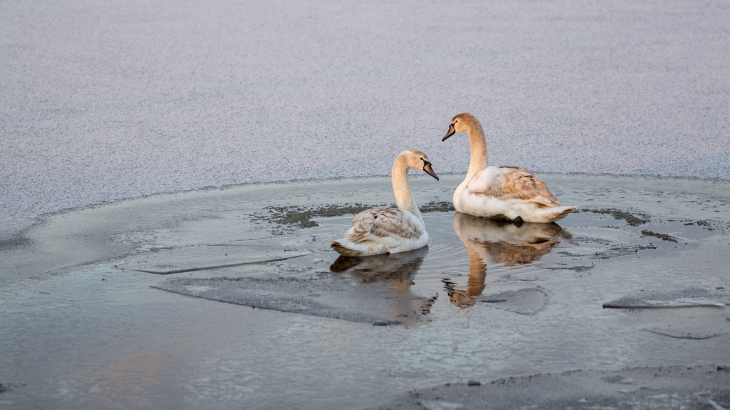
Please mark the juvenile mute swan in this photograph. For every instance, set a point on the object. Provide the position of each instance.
(506, 192)
(387, 230)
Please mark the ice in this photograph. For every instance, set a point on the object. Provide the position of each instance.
(336, 299)
(108, 101)
(672, 298)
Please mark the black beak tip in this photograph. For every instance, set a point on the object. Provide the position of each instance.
(429, 171)
(451, 132)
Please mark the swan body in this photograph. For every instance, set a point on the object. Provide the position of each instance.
(506, 192)
(388, 230)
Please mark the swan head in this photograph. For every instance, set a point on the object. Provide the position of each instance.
(461, 122)
(419, 160)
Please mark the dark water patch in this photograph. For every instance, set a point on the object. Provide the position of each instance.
(662, 236)
(437, 206)
(706, 224)
(631, 218)
(13, 243)
(302, 217)
(617, 379)
(624, 238)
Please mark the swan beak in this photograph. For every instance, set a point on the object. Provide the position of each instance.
(429, 170)
(450, 133)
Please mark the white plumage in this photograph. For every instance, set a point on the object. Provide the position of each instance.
(506, 192)
(388, 230)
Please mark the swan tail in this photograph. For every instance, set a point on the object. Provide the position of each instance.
(344, 251)
(557, 213)
(346, 247)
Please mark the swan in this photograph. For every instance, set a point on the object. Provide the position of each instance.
(506, 192)
(388, 230)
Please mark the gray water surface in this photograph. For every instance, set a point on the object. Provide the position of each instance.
(482, 301)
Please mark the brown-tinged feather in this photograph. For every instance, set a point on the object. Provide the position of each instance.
(381, 222)
(513, 166)
(564, 213)
(342, 250)
(518, 183)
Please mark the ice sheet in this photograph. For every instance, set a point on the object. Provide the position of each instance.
(672, 298)
(108, 101)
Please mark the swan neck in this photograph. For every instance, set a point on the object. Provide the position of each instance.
(402, 190)
(478, 146)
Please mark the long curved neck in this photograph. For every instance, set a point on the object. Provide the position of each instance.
(478, 150)
(402, 190)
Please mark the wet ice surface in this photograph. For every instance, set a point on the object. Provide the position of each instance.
(512, 300)
(697, 387)
(675, 298)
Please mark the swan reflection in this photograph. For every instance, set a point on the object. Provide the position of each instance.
(394, 270)
(491, 242)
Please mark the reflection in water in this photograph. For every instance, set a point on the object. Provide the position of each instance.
(491, 242)
(396, 270)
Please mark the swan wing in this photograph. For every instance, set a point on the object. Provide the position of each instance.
(512, 183)
(388, 226)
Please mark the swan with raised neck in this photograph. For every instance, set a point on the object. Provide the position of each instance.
(388, 230)
(506, 192)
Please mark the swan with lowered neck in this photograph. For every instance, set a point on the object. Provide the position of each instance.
(506, 192)
(388, 230)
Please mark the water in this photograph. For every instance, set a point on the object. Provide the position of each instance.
(473, 256)
(484, 300)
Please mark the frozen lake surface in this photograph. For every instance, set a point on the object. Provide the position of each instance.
(185, 120)
(106, 101)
